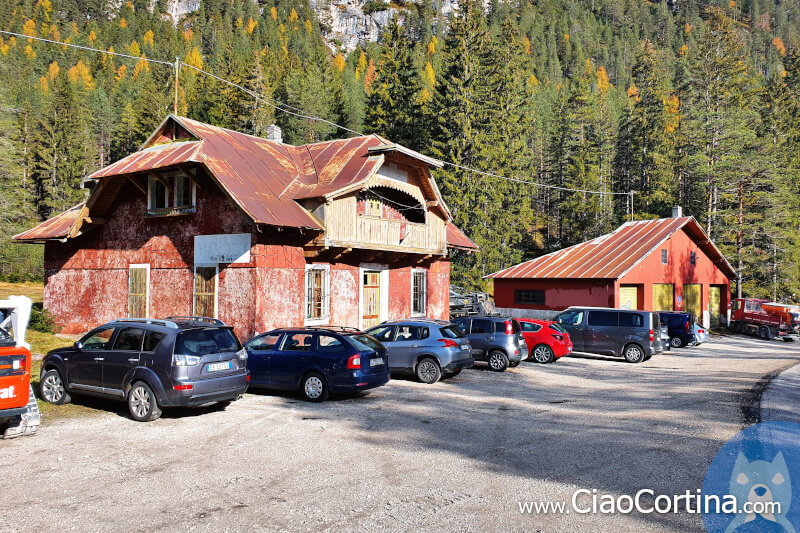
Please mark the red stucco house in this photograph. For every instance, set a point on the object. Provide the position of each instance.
(660, 265)
(261, 234)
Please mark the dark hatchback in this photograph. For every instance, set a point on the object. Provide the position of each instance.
(150, 364)
(317, 361)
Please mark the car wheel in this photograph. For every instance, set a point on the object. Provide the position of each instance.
(676, 342)
(428, 371)
(314, 388)
(634, 353)
(542, 353)
(52, 388)
(142, 403)
(763, 332)
(737, 327)
(498, 361)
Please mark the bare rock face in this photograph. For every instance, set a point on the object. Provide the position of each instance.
(177, 9)
(345, 24)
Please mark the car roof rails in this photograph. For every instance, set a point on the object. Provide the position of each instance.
(208, 320)
(336, 329)
(156, 322)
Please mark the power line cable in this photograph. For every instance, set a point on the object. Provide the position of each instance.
(86, 48)
(299, 113)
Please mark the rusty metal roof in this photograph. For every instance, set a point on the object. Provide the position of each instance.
(457, 239)
(262, 177)
(611, 256)
(58, 227)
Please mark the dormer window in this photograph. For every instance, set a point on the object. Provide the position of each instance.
(170, 194)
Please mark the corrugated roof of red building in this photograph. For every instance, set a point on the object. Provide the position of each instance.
(457, 239)
(57, 227)
(262, 177)
(611, 256)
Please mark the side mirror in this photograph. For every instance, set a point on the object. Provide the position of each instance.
(78, 346)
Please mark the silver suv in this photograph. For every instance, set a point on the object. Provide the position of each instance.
(496, 340)
(429, 349)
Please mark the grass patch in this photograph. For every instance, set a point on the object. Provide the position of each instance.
(52, 412)
(41, 343)
(34, 291)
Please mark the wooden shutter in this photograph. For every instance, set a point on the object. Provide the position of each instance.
(137, 291)
(205, 291)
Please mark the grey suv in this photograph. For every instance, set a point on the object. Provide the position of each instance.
(427, 348)
(635, 335)
(150, 364)
(496, 340)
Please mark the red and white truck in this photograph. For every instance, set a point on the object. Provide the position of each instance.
(19, 413)
(768, 320)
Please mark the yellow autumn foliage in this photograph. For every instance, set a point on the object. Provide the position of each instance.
(273, 13)
(123, 23)
(43, 85)
(431, 48)
(293, 15)
(141, 66)
(526, 45)
(80, 73)
(29, 28)
(687, 29)
(239, 22)
(122, 71)
(4, 49)
(370, 75)
(603, 83)
(633, 92)
(148, 38)
(92, 36)
(533, 81)
(29, 52)
(194, 58)
(672, 109)
(53, 70)
(777, 42)
(684, 50)
(361, 65)
(133, 49)
(188, 34)
(309, 28)
(566, 37)
(430, 75)
(251, 25)
(338, 62)
(424, 96)
(281, 28)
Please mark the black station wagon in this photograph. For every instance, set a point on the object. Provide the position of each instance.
(151, 364)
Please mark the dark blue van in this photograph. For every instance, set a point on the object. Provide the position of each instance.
(680, 327)
(317, 361)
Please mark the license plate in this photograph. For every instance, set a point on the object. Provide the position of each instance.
(215, 367)
(376, 361)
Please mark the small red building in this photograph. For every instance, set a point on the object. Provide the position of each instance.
(208, 221)
(660, 265)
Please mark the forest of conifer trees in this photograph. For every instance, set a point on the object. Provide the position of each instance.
(694, 106)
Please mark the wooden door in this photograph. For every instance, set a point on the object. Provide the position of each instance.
(628, 297)
(205, 291)
(714, 305)
(663, 294)
(371, 299)
(693, 300)
(137, 291)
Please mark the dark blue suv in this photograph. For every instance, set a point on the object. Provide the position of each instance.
(150, 364)
(680, 327)
(317, 361)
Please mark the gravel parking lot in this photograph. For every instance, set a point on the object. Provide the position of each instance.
(455, 456)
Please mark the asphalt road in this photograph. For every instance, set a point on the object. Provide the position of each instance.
(455, 456)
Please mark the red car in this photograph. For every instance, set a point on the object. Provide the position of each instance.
(547, 341)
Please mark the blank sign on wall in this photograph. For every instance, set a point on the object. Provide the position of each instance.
(226, 248)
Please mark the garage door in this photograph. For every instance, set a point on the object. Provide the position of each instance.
(663, 294)
(693, 300)
(628, 297)
(715, 305)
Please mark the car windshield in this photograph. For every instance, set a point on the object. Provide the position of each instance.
(365, 343)
(452, 332)
(206, 341)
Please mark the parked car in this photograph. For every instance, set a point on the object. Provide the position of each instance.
(680, 327)
(663, 330)
(317, 361)
(496, 340)
(428, 349)
(546, 340)
(608, 331)
(700, 334)
(151, 364)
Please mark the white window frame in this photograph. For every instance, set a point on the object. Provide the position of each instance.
(664, 256)
(326, 296)
(424, 292)
(216, 287)
(192, 190)
(146, 266)
(150, 181)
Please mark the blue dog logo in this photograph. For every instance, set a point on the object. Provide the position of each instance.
(767, 489)
(752, 475)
